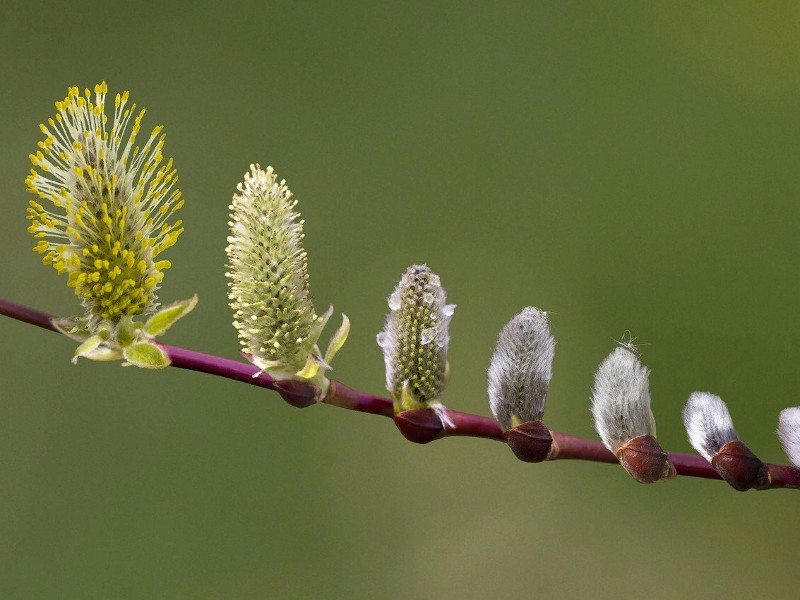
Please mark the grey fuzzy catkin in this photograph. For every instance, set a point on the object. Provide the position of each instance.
(621, 399)
(521, 368)
(708, 423)
(789, 433)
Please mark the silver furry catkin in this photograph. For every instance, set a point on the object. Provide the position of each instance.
(621, 399)
(710, 429)
(789, 433)
(521, 368)
(622, 416)
(708, 424)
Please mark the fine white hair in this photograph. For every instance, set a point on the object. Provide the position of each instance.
(708, 423)
(789, 433)
(621, 399)
(521, 368)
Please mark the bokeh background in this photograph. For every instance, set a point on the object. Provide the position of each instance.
(628, 166)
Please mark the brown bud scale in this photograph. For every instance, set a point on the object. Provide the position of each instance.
(738, 466)
(421, 425)
(530, 441)
(644, 459)
(297, 393)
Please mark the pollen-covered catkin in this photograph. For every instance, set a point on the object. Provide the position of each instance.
(106, 206)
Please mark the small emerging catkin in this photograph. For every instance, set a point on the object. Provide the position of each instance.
(789, 433)
(708, 424)
(710, 429)
(415, 339)
(621, 399)
(521, 368)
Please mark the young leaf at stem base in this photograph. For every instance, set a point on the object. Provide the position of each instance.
(145, 355)
(166, 317)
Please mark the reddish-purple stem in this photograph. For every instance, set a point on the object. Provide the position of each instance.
(463, 424)
(216, 365)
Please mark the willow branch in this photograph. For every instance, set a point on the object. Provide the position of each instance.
(461, 424)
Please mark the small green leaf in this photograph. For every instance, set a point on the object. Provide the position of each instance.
(310, 370)
(94, 349)
(316, 329)
(146, 355)
(104, 353)
(166, 317)
(407, 401)
(126, 330)
(338, 339)
(75, 329)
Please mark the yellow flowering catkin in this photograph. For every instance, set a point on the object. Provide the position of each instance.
(105, 205)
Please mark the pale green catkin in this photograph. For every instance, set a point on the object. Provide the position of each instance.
(415, 339)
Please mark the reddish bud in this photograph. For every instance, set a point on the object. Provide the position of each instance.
(420, 425)
(530, 441)
(645, 460)
(297, 393)
(742, 469)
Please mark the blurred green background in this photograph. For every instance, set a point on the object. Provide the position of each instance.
(627, 166)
